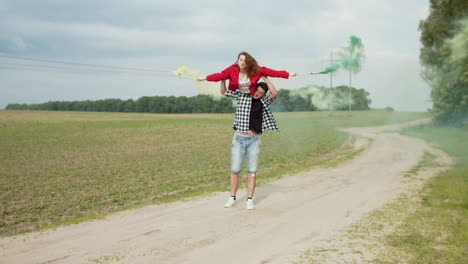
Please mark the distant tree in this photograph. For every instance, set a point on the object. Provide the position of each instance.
(224, 105)
(444, 57)
(298, 103)
(143, 105)
(129, 106)
(359, 98)
(282, 103)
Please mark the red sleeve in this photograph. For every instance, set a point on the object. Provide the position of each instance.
(273, 73)
(216, 77)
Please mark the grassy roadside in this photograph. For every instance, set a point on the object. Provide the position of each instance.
(424, 225)
(438, 231)
(66, 167)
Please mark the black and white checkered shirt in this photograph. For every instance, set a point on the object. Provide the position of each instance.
(244, 103)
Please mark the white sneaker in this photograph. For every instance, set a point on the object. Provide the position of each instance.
(250, 204)
(230, 202)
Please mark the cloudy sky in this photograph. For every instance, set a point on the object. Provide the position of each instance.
(95, 49)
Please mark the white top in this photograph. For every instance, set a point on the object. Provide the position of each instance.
(244, 83)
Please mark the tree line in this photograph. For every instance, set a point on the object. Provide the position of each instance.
(148, 104)
(444, 57)
(311, 98)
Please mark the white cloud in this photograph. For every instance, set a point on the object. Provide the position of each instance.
(104, 36)
(18, 43)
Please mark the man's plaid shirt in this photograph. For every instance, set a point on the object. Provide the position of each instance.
(242, 118)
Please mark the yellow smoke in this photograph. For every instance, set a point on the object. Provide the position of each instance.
(209, 88)
(184, 71)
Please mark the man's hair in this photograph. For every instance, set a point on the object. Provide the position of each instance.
(262, 85)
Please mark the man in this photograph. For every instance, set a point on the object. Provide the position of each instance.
(252, 118)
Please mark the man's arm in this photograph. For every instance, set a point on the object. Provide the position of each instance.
(271, 87)
(222, 87)
(228, 93)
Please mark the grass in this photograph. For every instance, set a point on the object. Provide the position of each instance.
(438, 231)
(66, 167)
(427, 226)
(426, 161)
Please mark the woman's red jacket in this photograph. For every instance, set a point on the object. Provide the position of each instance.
(232, 73)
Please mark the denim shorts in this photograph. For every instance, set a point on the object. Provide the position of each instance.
(245, 146)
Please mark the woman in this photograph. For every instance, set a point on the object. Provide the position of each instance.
(245, 73)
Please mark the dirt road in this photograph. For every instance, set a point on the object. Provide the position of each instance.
(292, 214)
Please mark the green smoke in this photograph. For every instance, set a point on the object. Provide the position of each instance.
(324, 98)
(459, 43)
(446, 70)
(355, 43)
(352, 63)
(352, 55)
(331, 68)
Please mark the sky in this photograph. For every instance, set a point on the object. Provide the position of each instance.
(62, 50)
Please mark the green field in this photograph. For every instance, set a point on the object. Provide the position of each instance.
(65, 167)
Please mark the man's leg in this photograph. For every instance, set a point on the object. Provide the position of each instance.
(234, 183)
(251, 182)
(253, 151)
(237, 156)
